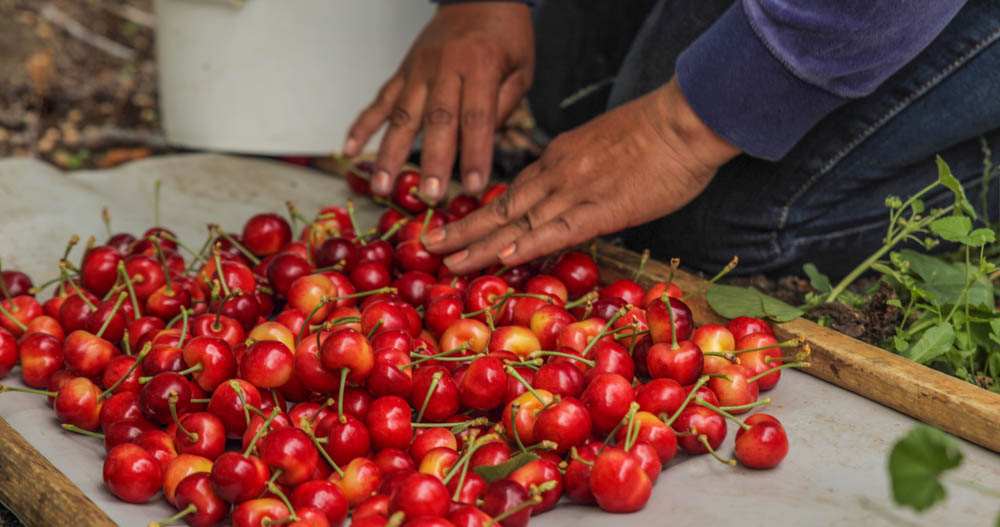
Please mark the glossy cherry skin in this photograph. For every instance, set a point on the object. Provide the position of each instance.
(228, 406)
(196, 490)
(223, 327)
(536, 472)
(442, 312)
(660, 396)
(577, 271)
(209, 435)
(324, 496)
(73, 314)
(503, 495)
(45, 324)
(41, 357)
(560, 378)
(403, 195)
(576, 480)
(284, 269)
(388, 422)
(484, 384)
(743, 326)
(16, 282)
(100, 269)
(651, 431)
(78, 403)
(265, 234)
(757, 362)
(120, 406)
(658, 319)
(492, 453)
(345, 440)
(237, 478)
(348, 348)
(683, 364)
(618, 481)
(252, 512)
(125, 431)
(527, 416)
(443, 401)
(702, 421)
(132, 474)
(216, 359)
(567, 423)
(290, 450)
(420, 495)
(154, 397)
(737, 390)
(608, 398)
(267, 364)
(764, 445)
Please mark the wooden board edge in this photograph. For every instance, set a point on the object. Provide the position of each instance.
(38, 493)
(921, 392)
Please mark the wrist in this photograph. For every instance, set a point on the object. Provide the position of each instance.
(678, 124)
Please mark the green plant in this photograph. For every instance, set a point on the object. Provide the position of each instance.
(919, 463)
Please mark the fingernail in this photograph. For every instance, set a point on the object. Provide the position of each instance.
(507, 251)
(431, 187)
(434, 237)
(474, 181)
(381, 182)
(456, 258)
(350, 146)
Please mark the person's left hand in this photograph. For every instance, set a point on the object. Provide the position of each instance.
(633, 164)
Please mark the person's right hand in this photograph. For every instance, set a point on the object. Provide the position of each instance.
(466, 71)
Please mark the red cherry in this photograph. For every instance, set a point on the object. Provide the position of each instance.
(420, 495)
(290, 450)
(388, 422)
(607, 398)
(504, 495)
(683, 364)
(704, 422)
(132, 473)
(267, 364)
(99, 271)
(284, 269)
(403, 194)
(265, 234)
(743, 326)
(577, 271)
(658, 319)
(237, 478)
(324, 496)
(618, 481)
(566, 423)
(195, 492)
(764, 444)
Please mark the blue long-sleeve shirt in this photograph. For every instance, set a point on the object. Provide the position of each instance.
(768, 70)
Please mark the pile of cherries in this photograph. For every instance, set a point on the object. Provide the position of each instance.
(267, 379)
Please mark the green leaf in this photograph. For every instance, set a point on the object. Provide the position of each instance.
(946, 281)
(980, 237)
(947, 179)
(934, 343)
(731, 302)
(900, 343)
(817, 279)
(952, 228)
(894, 302)
(916, 462)
(492, 473)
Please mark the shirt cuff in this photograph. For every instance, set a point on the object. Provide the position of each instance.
(743, 92)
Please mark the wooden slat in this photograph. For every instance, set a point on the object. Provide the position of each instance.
(926, 394)
(37, 492)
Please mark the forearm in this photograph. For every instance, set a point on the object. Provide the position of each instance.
(769, 70)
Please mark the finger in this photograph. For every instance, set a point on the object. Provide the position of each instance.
(510, 96)
(404, 123)
(573, 226)
(440, 137)
(479, 107)
(527, 190)
(372, 117)
(485, 252)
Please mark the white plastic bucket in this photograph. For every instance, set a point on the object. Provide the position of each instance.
(276, 76)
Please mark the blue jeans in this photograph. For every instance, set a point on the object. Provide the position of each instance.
(822, 203)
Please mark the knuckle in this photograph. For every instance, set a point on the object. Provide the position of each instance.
(475, 118)
(563, 224)
(501, 206)
(524, 223)
(438, 117)
(399, 117)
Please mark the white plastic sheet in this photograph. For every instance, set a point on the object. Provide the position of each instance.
(835, 472)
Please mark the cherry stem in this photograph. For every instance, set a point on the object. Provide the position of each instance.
(184, 327)
(80, 294)
(46, 393)
(527, 385)
(354, 220)
(530, 502)
(533, 364)
(138, 360)
(703, 287)
(374, 329)
(393, 229)
(427, 221)
(277, 492)
(172, 401)
(545, 298)
(786, 344)
(340, 395)
(201, 400)
(674, 264)
(324, 300)
(456, 428)
(260, 432)
(239, 246)
(435, 380)
(632, 432)
(495, 306)
(642, 265)
(78, 430)
(724, 354)
(425, 358)
(125, 344)
(339, 266)
(691, 395)
(111, 315)
(196, 368)
(292, 215)
(201, 253)
(128, 285)
(611, 434)
(39, 288)
(426, 200)
(703, 439)
(218, 271)
(622, 336)
(7, 314)
(243, 400)
(515, 409)
(163, 260)
(465, 358)
(462, 465)
(326, 404)
(388, 203)
(190, 509)
(307, 428)
(619, 314)
(670, 315)
(762, 402)
(156, 202)
(73, 240)
(776, 368)
(574, 455)
(543, 353)
(590, 296)
(723, 413)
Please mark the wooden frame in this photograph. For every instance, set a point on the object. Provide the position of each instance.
(933, 397)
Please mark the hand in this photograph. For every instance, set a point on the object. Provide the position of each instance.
(633, 164)
(466, 71)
